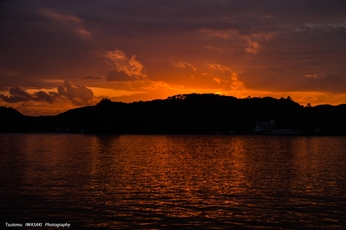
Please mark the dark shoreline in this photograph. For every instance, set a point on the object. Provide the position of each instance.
(184, 114)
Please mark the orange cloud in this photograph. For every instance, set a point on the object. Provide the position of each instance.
(253, 46)
(185, 65)
(119, 62)
(232, 81)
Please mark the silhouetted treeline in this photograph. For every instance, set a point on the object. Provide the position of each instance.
(184, 114)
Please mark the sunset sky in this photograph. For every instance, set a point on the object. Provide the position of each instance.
(58, 55)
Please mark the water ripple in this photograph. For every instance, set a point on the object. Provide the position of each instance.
(169, 182)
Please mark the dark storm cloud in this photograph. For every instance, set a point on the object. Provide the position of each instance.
(78, 95)
(16, 94)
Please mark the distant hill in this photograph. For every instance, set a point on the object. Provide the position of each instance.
(183, 114)
(13, 121)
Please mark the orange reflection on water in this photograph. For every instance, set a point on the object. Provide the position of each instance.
(198, 180)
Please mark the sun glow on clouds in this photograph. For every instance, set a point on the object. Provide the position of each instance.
(185, 65)
(65, 96)
(233, 80)
(106, 92)
(58, 55)
(129, 66)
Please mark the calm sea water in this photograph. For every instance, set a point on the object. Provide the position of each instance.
(170, 182)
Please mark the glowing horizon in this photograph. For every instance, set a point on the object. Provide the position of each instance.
(57, 56)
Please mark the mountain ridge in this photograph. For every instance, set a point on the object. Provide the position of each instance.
(183, 114)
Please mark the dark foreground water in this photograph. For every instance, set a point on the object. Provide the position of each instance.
(173, 182)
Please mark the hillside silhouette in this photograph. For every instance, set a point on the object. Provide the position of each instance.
(184, 114)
